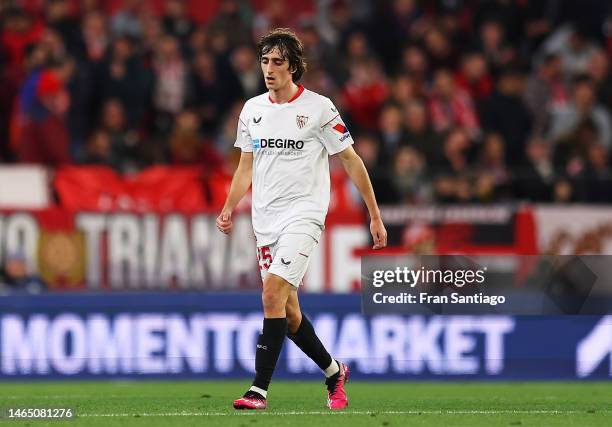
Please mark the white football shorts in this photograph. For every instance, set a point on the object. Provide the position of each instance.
(287, 257)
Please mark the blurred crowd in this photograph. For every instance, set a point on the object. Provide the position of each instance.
(447, 100)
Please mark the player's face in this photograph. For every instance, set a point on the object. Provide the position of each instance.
(275, 70)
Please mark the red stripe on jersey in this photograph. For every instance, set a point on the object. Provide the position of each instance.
(293, 98)
(331, 120)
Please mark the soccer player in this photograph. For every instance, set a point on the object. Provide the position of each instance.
(286, 136)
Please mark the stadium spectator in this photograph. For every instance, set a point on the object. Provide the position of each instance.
(185, 142)
(197, 41)
(187, 145)
(152, 32)
(505, 113)
(455, 153)
(409, 178)
(176, 22)
(507, 15)
(599, 71)
(496, 49)
(596, 178)
(371, 151)
(82, 111)
(539, 20)
(127, 80)
(572, 44)
(279, 14)
(54, 44)
(321, 55)
(484, 188)
(534, 181)
(395, 20)
(126, 20)
(391, 127)
(19, 55)
(15, 278)
(451, 107)
(18, 31)
(335, 24)
(365, 93)
(570, 152)
(43, 104)
(405, 89)
(563, 191)
(213, 88)
(493, 180)
(94, 37)
(321, 82)
(419, 133)
(414, 63)
(445, 189)
(57, 14)
(357, 48)
(234, 19)
(170, 87)
(245, 65)
(125, 149)
(564, 120)
(473, 76)
(545, 91)
(99, 150)
(440, 52)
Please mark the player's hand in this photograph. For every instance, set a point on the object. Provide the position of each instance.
(379, 233)
(224, 222)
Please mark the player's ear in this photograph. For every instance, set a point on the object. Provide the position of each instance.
(292, 70)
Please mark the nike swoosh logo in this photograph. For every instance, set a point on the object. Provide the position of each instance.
(285, 262)
(257, 120)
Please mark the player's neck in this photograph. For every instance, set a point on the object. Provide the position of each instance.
(284, 94)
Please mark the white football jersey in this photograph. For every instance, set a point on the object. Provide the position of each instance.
(290, 143)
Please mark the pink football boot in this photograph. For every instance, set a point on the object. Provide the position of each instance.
(336, 396)
(250, 400)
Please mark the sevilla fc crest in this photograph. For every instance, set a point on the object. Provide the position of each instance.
(301, 121)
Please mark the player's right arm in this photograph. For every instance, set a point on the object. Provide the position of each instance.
(240, 185)
(242, 177)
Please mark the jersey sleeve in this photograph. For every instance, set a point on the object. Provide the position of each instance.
(334, 133)
(243, 137)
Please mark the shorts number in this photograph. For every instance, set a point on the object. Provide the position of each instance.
(264, 257)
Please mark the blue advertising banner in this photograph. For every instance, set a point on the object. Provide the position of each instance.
(201, 335)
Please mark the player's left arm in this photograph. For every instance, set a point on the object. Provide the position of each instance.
(357, 172)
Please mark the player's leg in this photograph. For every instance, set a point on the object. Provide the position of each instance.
(274, 297)
(302, 333)
(276, 291)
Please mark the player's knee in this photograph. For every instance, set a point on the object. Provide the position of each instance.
(272, 301)
(268, 301)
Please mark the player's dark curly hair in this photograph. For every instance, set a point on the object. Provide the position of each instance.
(289, 46)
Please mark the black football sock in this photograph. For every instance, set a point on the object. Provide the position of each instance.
(269, 346)
(306, 339)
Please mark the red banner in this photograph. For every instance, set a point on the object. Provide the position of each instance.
(157, 189)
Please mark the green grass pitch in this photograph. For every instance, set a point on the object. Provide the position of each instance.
(208, 403)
